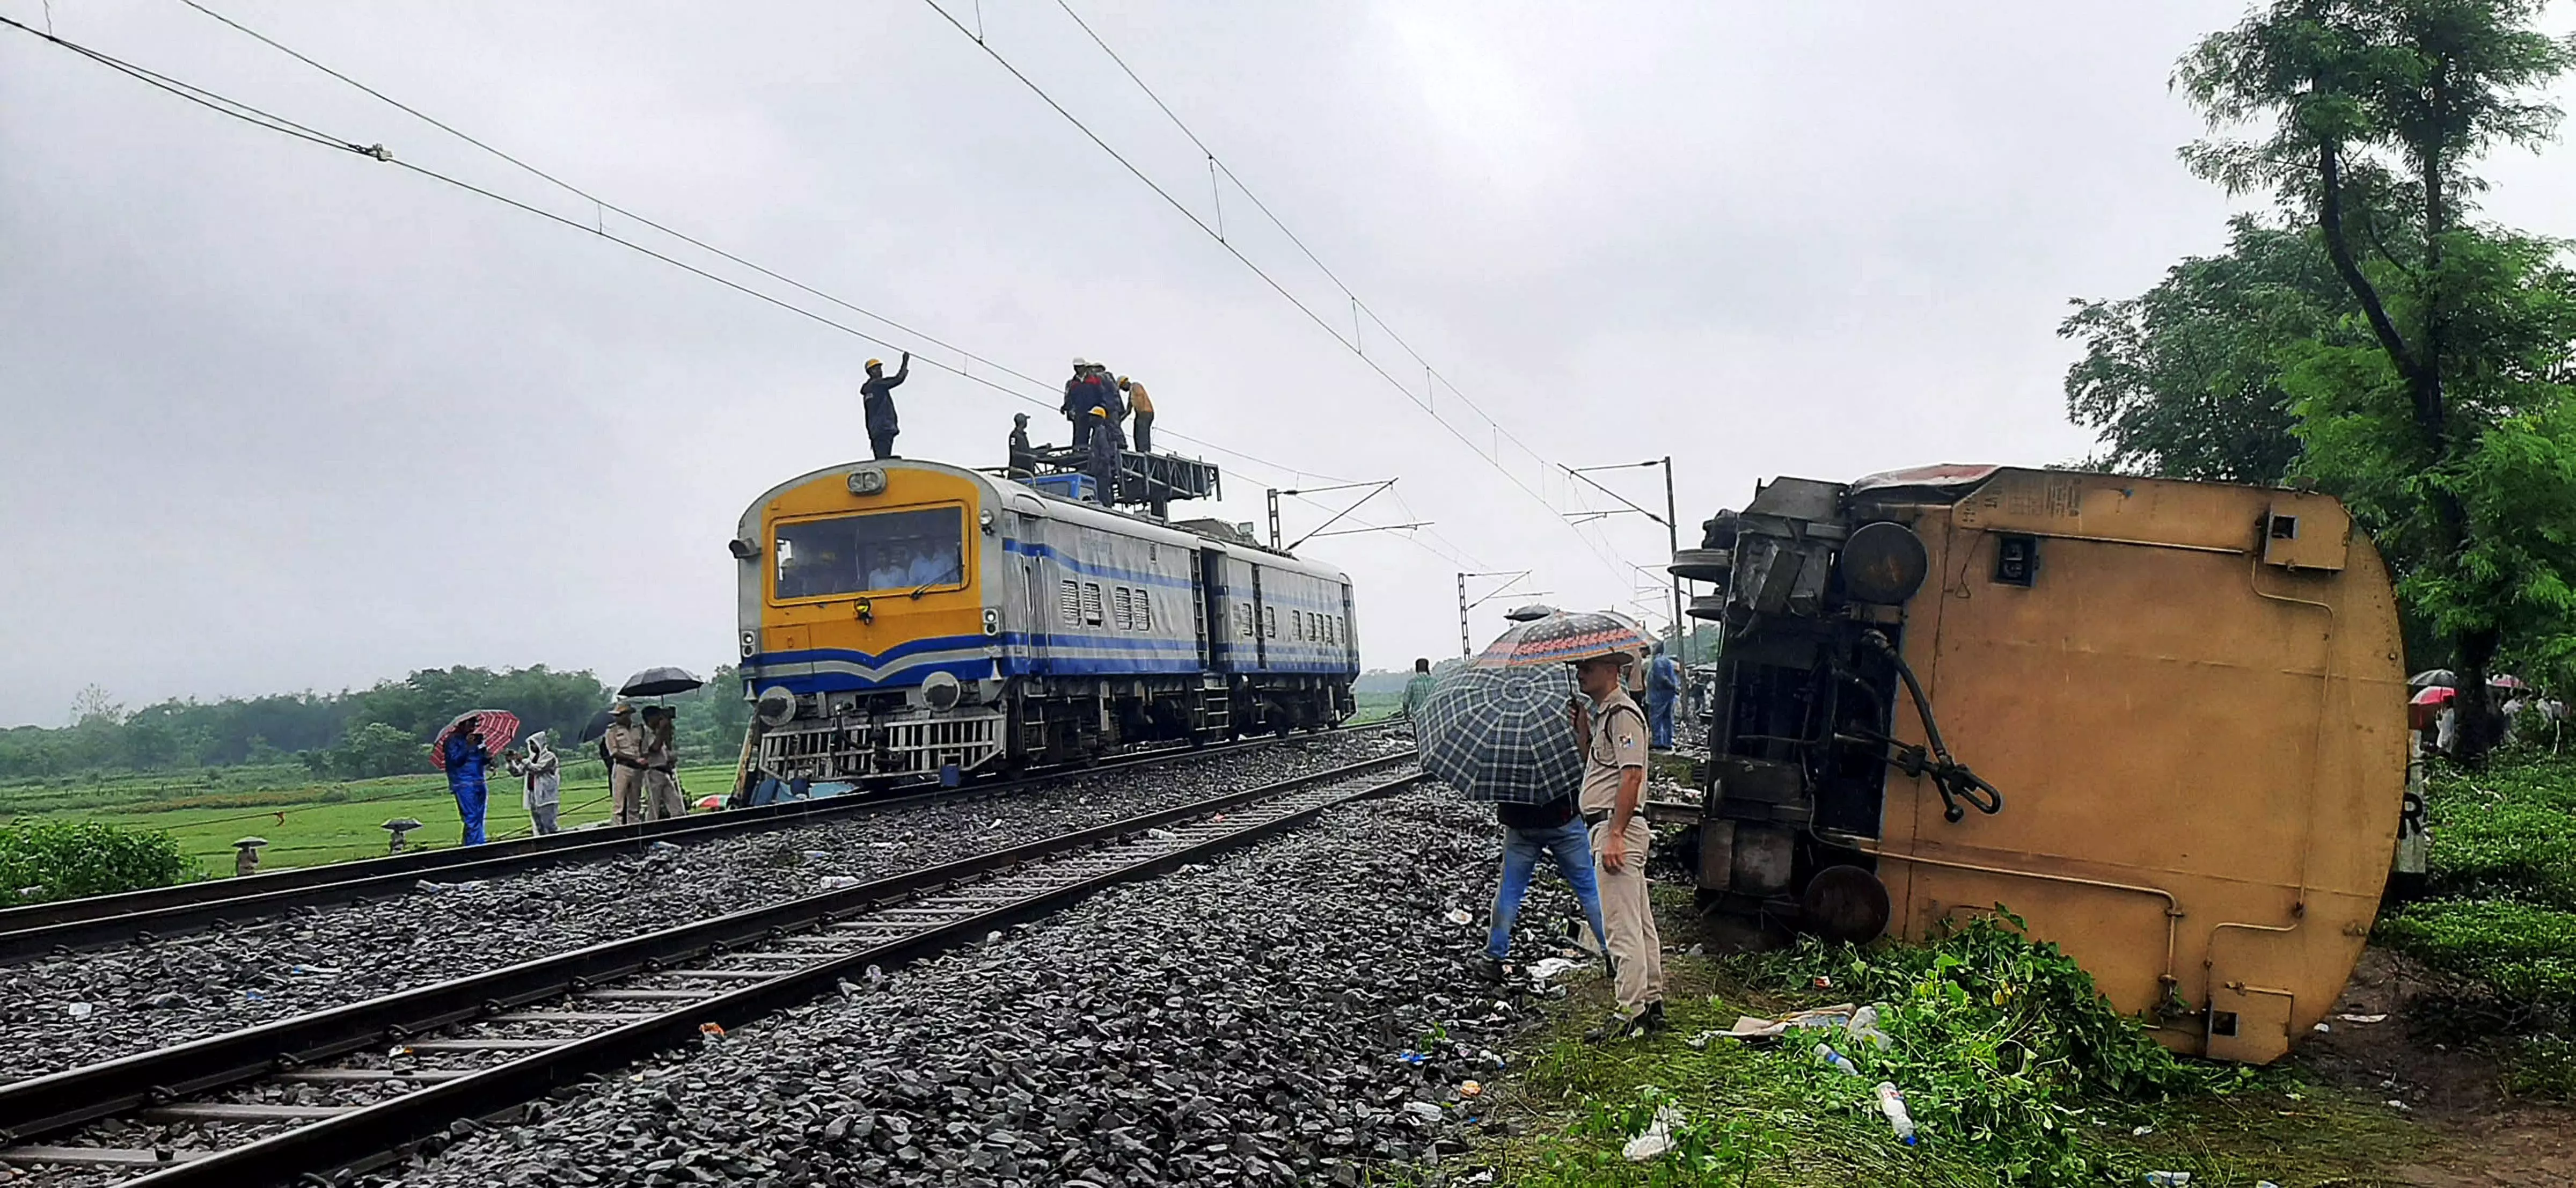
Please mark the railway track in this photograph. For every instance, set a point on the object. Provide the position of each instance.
(337, 1091)
(96, 921)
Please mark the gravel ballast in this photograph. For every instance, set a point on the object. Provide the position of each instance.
(149, 995)
(1295, 1012)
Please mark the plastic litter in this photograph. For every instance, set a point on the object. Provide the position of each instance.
(428, 887)
(1825, 1054)
(711, 1030)
(2141, 1131)
(1863, 1029)
(838, 882)
(1657, 1138)
(2324, 1028)
(253, 996)
(1892, 1103)
(1425, 1110)
(2265, 1184)
(81, 1010)
(2363, 1018)
(1470, 1088)
(1748, 1027)
(1541, 970)
(314, 970)
(2168, 1179)
(1460, 916)
(1411, 1057)
(1161, 834)
(814, 855)
(664, 847)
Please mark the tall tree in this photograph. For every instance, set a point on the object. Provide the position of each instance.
(2363, 106)
(2185, 380)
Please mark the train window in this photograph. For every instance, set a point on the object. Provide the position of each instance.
(1144, 610)
(1270, 622)
(1091, 604)
(919, 548)
(1068, 603)
(1123, 609)
(1243, 620)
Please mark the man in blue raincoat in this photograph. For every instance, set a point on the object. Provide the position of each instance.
(466, 759)
(1663, 688)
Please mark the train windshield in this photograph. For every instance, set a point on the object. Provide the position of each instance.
(880, 552)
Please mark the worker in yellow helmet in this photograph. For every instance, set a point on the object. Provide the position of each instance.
(877, 397)
(1101, 441)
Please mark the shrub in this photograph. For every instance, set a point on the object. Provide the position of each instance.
(2527, 953)
(2001, 1042)
(63, 859)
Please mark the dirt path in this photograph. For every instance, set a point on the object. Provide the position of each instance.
(2481, 1138)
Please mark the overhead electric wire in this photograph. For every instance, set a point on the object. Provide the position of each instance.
(258, 117)
(1218, 235)
(683, 236)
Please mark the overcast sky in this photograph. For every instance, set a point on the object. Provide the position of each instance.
(279, 417)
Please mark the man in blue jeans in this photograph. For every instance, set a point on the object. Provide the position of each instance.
(1557, 831)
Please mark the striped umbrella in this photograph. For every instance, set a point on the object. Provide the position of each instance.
(494, 727)
(1499, 733)
(1562, 638)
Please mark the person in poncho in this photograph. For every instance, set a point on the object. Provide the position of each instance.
(542, 774)
(465, 759)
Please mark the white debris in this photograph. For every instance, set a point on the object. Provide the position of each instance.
(1657, 1138)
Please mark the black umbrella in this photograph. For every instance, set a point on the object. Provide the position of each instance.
(657, 682)
(597, 726)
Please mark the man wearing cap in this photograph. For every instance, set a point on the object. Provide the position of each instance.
(877, 397)
(1612, 733)
(1024, 457)
(625, 743)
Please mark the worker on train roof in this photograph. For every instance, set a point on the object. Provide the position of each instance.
(876, 398)
(1143, 406)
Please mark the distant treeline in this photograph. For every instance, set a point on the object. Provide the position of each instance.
(360, 734)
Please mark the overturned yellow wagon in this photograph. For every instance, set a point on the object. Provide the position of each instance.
(2162, 721)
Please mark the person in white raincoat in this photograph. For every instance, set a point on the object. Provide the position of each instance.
(542, 773)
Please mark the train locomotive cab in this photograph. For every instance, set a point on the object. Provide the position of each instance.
(868, 642)
(905, 619)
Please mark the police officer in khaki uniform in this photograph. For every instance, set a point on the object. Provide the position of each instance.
(626, 744)
(1613, 735)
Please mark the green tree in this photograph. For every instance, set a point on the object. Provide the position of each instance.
(2449, 430)
(377, 749)
(2186, 380)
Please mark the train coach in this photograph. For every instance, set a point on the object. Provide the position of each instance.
(905, 618)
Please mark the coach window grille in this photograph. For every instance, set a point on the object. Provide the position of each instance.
(1091, 604)
(1122, 609)
(1144, 610)
(1269, 622)
(1069, 603)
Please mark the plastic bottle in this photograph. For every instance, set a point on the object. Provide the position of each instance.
(1892, 1104)
(1825, 1054)
(2168, 1179)
(1864, 1029)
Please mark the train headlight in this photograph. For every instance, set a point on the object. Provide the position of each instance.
(940, 690)
(750, 643)
(867, 481)
(992, 620)
(776, 707)
(985, 518)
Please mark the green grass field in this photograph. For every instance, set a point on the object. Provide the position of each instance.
(309, 822)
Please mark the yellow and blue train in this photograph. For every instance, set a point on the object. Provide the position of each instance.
(908, 618)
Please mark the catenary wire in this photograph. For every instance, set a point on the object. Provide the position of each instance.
(682, 236)
(263, 119)
(1325, 324)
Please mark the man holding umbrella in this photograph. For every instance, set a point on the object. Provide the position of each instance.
(1612, 734)
(465, 749)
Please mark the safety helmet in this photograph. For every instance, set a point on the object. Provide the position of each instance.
(1098, 411)
(1122, 383)
(1080, 363)
(876, 362)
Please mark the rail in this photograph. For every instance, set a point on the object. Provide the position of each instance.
(39, 930)
(591, 1010)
